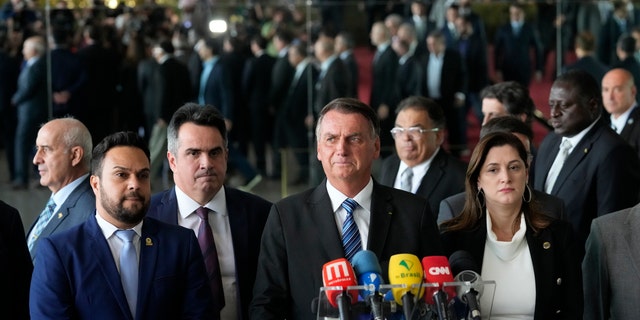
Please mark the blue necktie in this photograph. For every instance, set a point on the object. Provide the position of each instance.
(129, 268)
(43, 220)
(350, 234)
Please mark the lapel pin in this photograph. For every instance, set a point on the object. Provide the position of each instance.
(586, 150)
(630, 121)
(546, 245)
(59, 215)
(148, 242)
(389, 212)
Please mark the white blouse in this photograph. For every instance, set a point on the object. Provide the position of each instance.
(509, 264)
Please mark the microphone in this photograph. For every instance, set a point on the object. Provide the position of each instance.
(368, 270)
(462, 260)
(436, 270)
(405, 269)
(339, 273)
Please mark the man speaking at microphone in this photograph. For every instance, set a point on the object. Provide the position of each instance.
(346, 213)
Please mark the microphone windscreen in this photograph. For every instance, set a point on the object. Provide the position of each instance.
(463, 260)
(339, 273)
(437, 270)
(365, 261)
(405, 269)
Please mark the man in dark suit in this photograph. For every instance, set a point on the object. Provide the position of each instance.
(303, 231)
(619, 99)
(175, 90)
(409, 74)
(383, 97)
(333, 80)
(69, 80)
(63, 158)
(610, 266)
(617, 24)
(512, 44)
(548, 204)
(585, 45)
(344, 45)
(15, 265)
(119, 264)
(197, 156)
(295, 118)
(420, 165)
(31, 102)
(472, 46)
(214, 87)
(256, 83)
(9, 70)
(625, 49)
(445, 82)
(281, 75)
(583, 161)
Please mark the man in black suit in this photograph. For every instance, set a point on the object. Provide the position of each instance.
(333, 81)
(303, 231)
(15, 265)
(409, 74)
(295, 118)
(175, 90)
(214, 85)
(420, 165)
(256, 83)
(619, 99)
(511, 49)
(583, 161)
(585, 45)
(383, 97)
(69, 80)
(445, 82)
(31, 102)
(617, 24)
(548, 204)
(197, 140)
(472, 46)
(9, 70)
(344, 45)
(625, 49)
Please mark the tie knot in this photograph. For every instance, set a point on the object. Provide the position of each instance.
(203, 213)
(126, 235)
(51, 204)
(565, 145)
(349, 205)
(408, 172)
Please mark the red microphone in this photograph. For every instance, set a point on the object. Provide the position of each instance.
(437, 270)
(339, 273)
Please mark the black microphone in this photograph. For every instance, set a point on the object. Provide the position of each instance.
(464, 266)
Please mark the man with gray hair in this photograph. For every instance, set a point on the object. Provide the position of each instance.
(63, 158)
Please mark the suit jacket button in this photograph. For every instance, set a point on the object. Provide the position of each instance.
(546, 245)
(559, 281)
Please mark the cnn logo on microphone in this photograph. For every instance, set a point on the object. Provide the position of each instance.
(436, 271)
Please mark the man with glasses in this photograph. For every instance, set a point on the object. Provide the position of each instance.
(420, 165)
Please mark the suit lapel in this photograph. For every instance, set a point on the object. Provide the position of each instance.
(104, 258)
(65, 209)
(542, 169)
(432, 178)
(577, 155)
(388, 178)
(149, 246)
(322, 216)
(632, 123)
(239, 224)
(381, 214)
(632, 237)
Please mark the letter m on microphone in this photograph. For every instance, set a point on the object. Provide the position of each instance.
(337, 271)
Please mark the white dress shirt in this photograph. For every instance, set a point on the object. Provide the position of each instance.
(115, 243)
(419, 171)
(362, 213)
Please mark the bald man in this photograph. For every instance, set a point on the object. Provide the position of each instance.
(618, 96)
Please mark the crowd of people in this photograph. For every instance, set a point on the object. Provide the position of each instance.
(154, 96)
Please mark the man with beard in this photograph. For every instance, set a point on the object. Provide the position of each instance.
(119, 264)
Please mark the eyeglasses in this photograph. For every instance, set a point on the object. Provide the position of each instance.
(414, 132)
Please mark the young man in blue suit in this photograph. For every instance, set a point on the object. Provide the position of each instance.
(92, 272)
(63, 158)
(197, 143)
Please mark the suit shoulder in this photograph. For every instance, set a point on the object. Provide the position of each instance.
(616, 219)
(247, 198)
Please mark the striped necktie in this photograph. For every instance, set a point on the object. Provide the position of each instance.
(43, 220)
(350, 234)
(406, 179)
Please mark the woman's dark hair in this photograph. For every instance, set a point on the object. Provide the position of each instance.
(474, 207)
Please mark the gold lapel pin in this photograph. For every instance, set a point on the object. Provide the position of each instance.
(546, 245)
(148, 242)
(59, 215)
(586, 150)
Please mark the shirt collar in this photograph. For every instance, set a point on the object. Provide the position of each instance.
(187, 206)
(576, 139)
(62, 194)
(325, 65)
(108, 229)
(363, 198)
(622, 119)
(420, 167)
